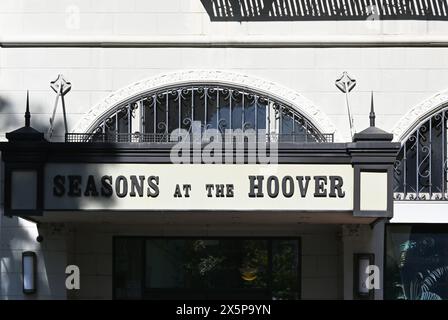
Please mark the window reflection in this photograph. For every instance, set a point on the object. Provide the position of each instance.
(416, 262)
(209, 268)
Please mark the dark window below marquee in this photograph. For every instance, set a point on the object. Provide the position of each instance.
(212, 268)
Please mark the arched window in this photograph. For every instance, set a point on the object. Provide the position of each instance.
(151, 117)
(421, 166)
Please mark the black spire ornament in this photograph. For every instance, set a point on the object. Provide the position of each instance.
(27, 112)
(372, 115)
(26, 133)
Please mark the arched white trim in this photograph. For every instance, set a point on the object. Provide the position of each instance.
(276, 91)
(418, 114)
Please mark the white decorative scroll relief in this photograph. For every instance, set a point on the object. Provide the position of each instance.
(418, 114)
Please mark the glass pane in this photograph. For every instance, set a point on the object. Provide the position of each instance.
(148, 114)
(236, 264)
(224, 110)
(164, 263)
(128, 268)
(23, 186)
(261, 113)
(123, 122)
(237, 109)
(199, 105)
(161, 107)
(173, 111)
(186, 102)
(416, 262)
(206, 263)
(211, 119)
(285, 269)
(249, 112)
(225, 268)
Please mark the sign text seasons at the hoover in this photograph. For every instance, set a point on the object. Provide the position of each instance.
(141, 186)
(198, 187)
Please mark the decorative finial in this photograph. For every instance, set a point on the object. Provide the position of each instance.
(61, 87)
(27, 112)
(346, 84)
(372, 115)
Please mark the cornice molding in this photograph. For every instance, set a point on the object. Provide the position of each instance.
(242, 41)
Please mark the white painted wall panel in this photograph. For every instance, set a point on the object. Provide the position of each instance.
(400, 77)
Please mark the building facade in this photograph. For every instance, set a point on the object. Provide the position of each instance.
(96, 187)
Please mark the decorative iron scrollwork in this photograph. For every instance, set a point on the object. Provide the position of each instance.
(420, 171)
(216, 107)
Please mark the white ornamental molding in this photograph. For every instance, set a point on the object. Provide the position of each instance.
(419, 114)
(287, 96)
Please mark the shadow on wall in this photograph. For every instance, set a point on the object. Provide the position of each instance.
(3, 104)
(309, 10)
(58, 248)
(12, 118)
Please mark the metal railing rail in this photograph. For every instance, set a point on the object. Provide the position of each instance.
(166, 138)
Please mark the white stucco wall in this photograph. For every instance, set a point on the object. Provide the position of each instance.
(363, 239)
(400, 76)
(175, 17)
(420, 212)
(18, 235)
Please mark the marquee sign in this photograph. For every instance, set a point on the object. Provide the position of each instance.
(226, 187)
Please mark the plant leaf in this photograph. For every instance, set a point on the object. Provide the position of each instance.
(432, 277)
(430, 296)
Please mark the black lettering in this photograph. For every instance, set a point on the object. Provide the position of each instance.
(121, 186)
(153, 189)
(320, 183)
(74, 183)
(209, 188)
(336, 183)
(256, 186)
(91, 187)
(59, 186)
(177, 192)
(187, 188)
(303, 188)
(137, 184)
(106, 186)
(273, 189)
(229, 188)
(220, 190)
(288, 191)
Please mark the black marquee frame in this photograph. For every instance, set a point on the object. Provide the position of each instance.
(33, 155)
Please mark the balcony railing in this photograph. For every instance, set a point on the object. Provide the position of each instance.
(166, 138)
(273, 10)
